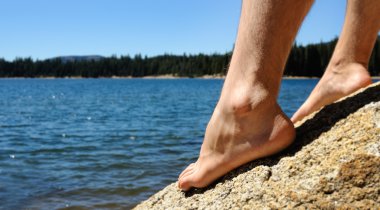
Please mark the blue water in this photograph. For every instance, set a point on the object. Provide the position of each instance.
(104, 143)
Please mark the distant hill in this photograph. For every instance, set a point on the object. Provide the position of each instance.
(73, 58)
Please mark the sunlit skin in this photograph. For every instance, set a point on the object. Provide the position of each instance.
(247, 122)
(347, 70)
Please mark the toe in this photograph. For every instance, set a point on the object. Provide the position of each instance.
(185, 183)
(300, 114)
(185, 178)
(297, 116)
(192, 178)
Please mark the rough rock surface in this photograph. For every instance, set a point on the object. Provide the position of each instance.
(333, 164)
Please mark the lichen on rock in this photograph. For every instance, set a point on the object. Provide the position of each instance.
(333, 164)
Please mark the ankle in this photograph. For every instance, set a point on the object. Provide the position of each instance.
(344, 66)
(346, 77)
(242, 100)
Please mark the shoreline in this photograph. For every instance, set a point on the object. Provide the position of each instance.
(161, 77)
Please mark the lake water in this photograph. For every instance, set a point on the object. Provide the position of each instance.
(104, 143)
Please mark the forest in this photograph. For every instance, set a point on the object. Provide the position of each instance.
(309, 61)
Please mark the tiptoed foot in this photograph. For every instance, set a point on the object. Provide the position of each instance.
(241, 129)
(337, 82)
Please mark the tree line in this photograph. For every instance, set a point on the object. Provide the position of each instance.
(310, 60)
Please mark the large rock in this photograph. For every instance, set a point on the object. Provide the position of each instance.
(334, 163)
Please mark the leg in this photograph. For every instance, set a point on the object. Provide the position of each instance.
(347, 70)
(247, 122)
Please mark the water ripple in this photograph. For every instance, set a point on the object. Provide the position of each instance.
(103, 143)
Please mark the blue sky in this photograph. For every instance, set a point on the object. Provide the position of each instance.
(47, 28)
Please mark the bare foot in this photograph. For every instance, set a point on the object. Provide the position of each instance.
(240, 130)
(336, 83)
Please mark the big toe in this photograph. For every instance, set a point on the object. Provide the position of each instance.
(186, 181)
(302, 112)
(192, 178)
(299, 115)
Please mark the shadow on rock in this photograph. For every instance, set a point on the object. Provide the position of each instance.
(307, 132)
